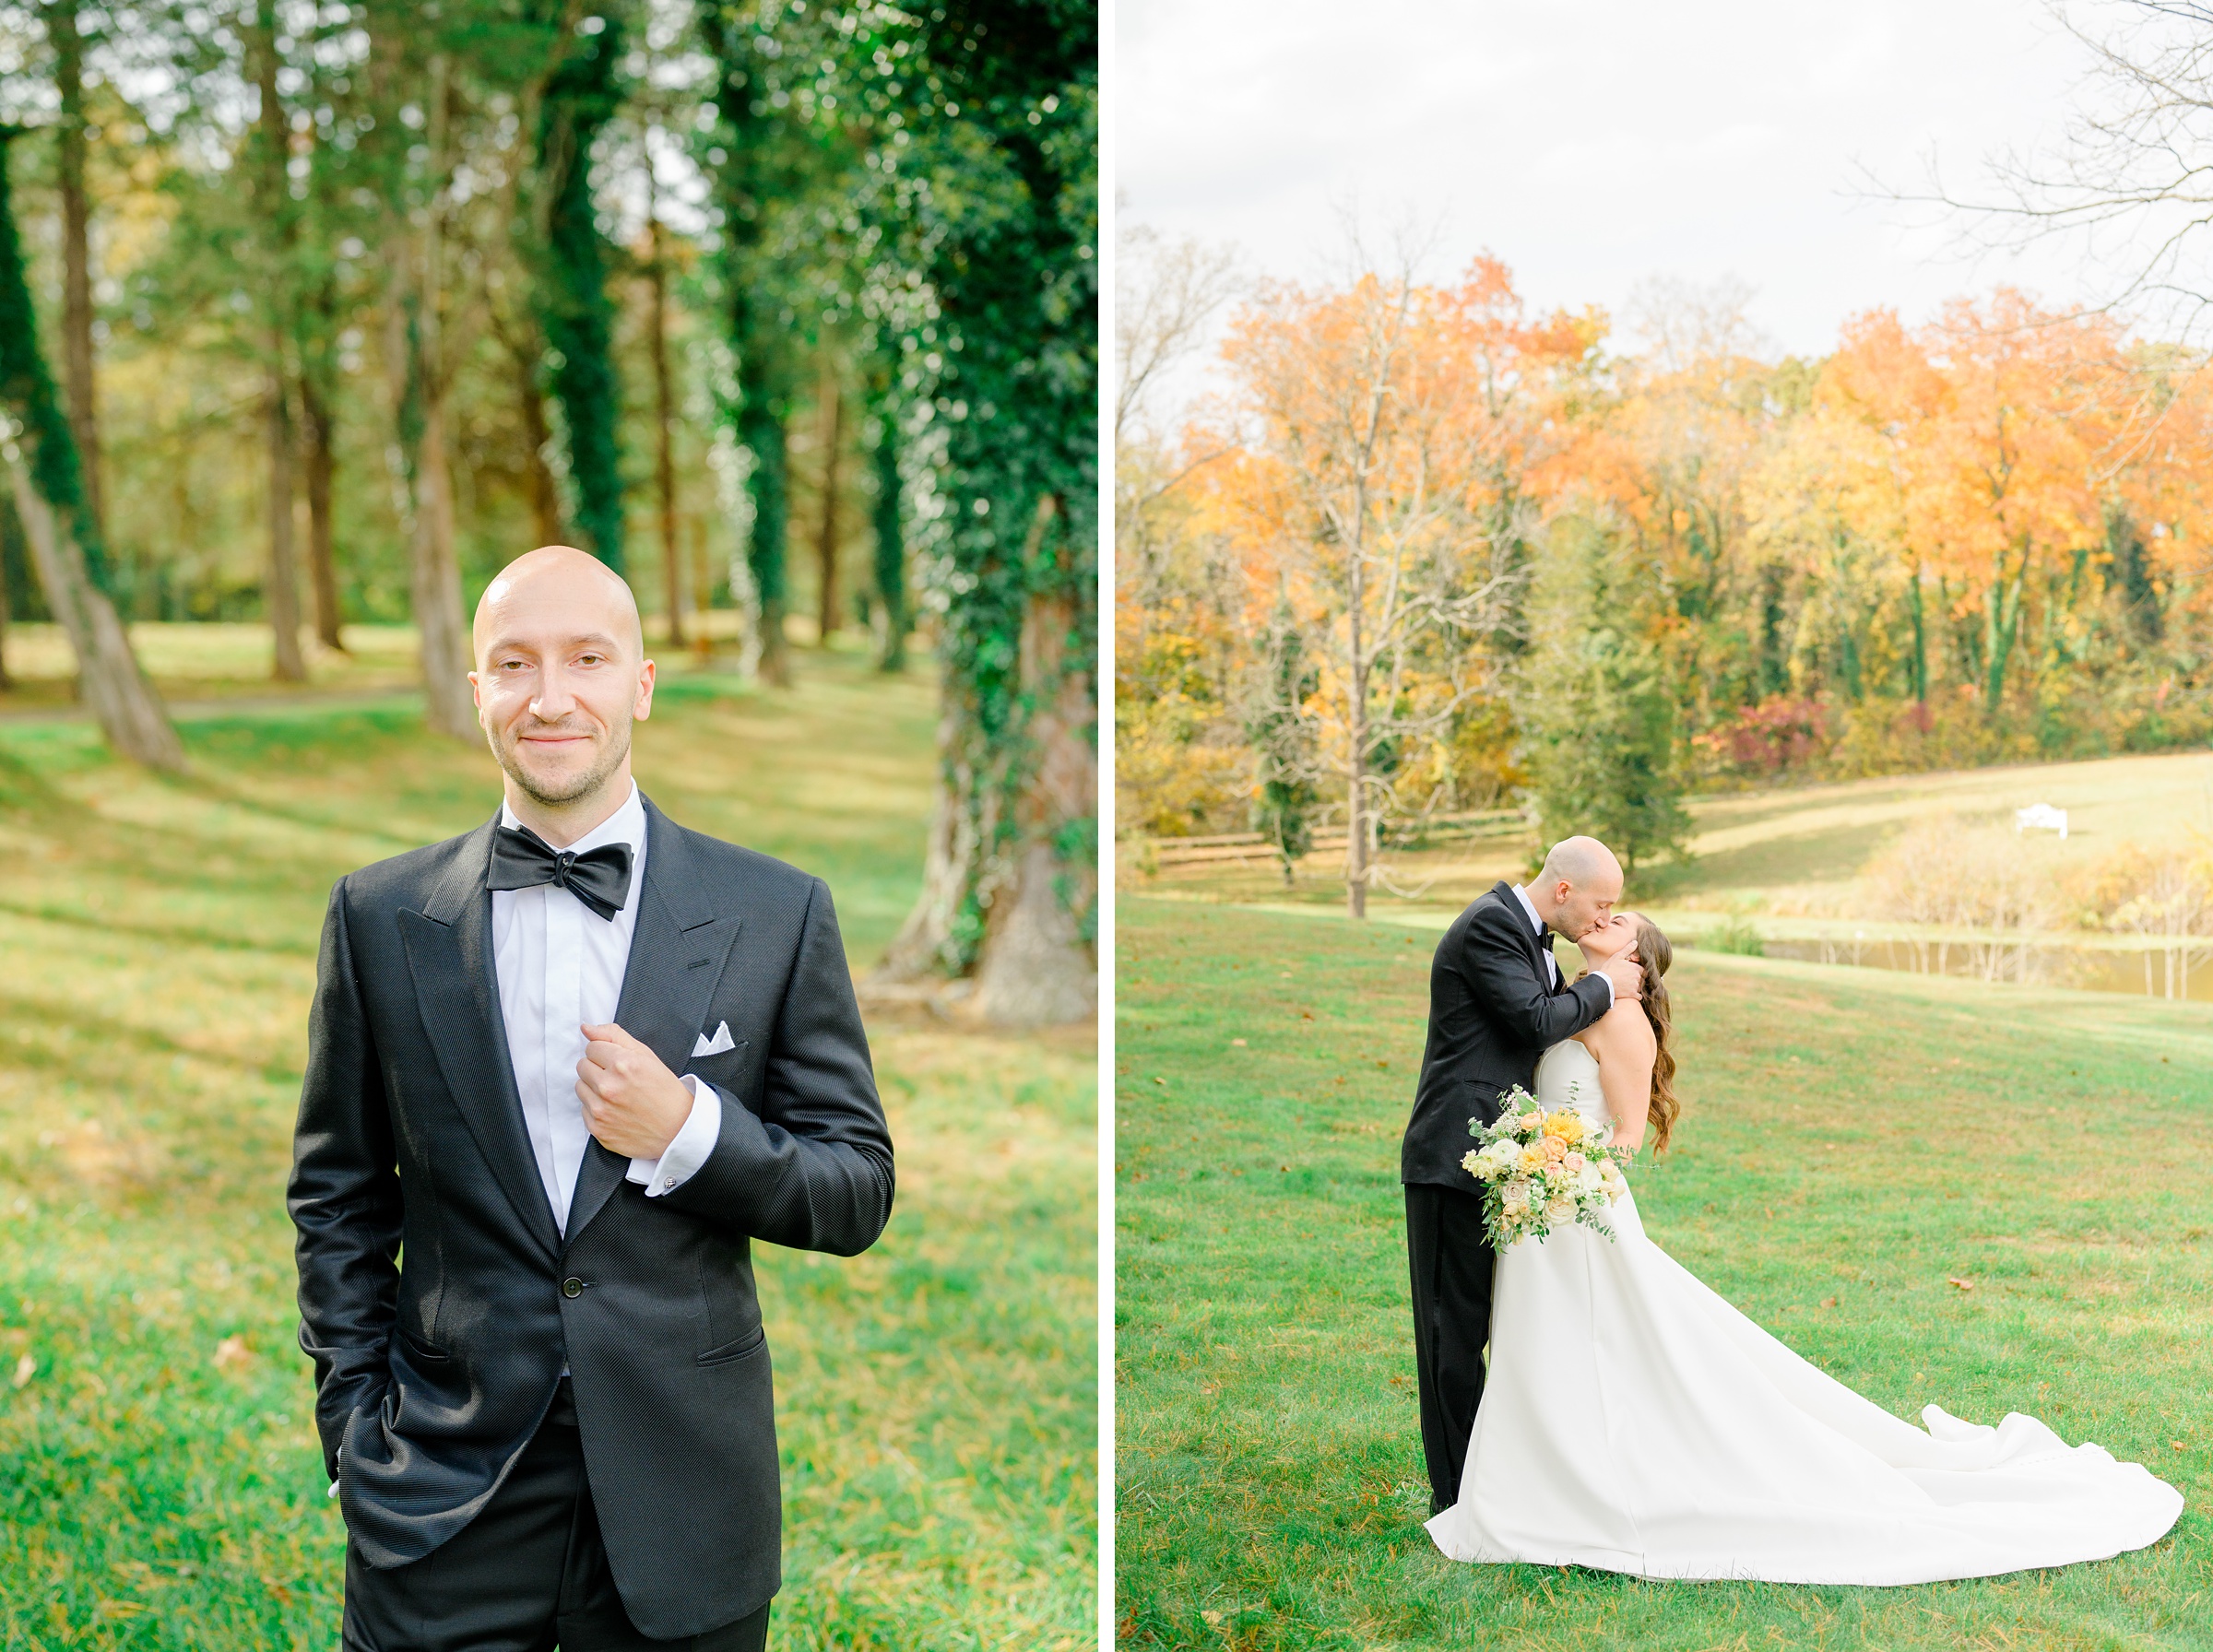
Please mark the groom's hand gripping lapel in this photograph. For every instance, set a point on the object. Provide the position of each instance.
(632, 1101)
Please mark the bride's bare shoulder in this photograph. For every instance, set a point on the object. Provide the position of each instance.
(1623, 1031)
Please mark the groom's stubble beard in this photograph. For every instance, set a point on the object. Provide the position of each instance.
(506, 748)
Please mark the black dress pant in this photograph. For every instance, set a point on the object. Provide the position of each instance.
(1451, 1257)
(527, 1575)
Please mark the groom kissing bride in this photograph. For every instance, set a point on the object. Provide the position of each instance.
(1587, 1401)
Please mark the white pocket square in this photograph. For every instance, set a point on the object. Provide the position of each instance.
(716, 1046)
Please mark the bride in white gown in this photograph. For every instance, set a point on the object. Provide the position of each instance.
(1634, 1422)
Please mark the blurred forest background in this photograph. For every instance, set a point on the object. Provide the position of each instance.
(314, 315)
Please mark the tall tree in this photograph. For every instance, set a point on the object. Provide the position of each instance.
(280, 588)
(755, 171)
(1388, 418)
(830, 414)
(580, 97)
(65, 30)
(1003, 105)
(664, 414)
(887, 521)
(66, 543)
(412, 58)
(1592, 701)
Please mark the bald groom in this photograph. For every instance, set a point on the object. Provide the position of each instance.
(1496, 1002)
(562, 1070)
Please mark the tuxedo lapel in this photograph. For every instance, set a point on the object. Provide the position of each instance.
(1536, 943)
(677, 952)
(450, 956)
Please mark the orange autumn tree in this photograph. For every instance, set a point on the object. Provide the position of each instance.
(2007, 430)
(1689, 421)
(1379, 505)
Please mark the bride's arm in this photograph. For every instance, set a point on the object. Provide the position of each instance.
(1622, 1040)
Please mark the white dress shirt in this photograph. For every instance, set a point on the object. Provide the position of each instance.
(1552, 965)
(560, 967)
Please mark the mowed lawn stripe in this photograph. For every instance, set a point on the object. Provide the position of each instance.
(1847, 1150)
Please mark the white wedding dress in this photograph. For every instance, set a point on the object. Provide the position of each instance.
(1634, 1422)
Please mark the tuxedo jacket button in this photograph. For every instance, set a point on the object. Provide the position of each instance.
(572, 1286)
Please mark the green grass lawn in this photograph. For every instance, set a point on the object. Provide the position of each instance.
(160, 1482)
(1268, 1476)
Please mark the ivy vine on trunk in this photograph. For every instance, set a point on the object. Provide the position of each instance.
(1007, 125)
(46, 478)
(582, 95)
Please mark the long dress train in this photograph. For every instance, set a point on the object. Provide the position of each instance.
(1634, 1422)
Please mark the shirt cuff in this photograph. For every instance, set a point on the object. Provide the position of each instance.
(691, 1147)
(1609, 981)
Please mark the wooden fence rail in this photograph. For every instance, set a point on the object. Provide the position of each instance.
(1234, 847)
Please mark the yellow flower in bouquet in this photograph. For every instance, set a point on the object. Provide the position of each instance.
(1542, 1170)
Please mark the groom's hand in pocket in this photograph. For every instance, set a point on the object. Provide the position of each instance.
(632, 1101)
(1628, 976)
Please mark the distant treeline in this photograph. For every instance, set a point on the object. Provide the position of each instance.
(1433, 552)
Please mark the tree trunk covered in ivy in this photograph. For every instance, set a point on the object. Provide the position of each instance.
(46, 481)
(581, 97)
(62, 29)
(888, 523)
(1011, 888)
(752, 173)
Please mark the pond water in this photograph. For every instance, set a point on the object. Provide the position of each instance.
(2143, 974)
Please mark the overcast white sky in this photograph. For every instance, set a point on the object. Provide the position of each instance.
(1596, 143)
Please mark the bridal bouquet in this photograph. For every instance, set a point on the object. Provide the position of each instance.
(1542, 1170)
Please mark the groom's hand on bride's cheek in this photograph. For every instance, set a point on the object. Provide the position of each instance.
(1627, 975)
(632, 1101)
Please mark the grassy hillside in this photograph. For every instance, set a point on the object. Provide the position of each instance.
(1799, 850)
(1269, 1464)
(163, 1488)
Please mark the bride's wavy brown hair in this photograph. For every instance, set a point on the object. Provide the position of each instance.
(1656, 952)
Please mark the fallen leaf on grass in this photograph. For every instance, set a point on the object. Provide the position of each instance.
(1239, 1043)
(25, 1368)
(232, 1353)
(1963, 1285)
(1829, 1301)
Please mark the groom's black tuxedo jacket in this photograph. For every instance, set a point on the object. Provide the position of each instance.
(436, 1298)
(1493, 1011)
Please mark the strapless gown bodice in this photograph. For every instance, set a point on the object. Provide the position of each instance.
(1568, 1076)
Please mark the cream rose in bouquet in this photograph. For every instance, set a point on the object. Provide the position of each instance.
(1542, 1170)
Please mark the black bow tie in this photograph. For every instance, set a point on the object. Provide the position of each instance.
(599, 878)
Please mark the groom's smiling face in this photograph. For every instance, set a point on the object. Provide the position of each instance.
(560, 673)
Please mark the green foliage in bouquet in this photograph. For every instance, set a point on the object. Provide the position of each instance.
(1542, 1170)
